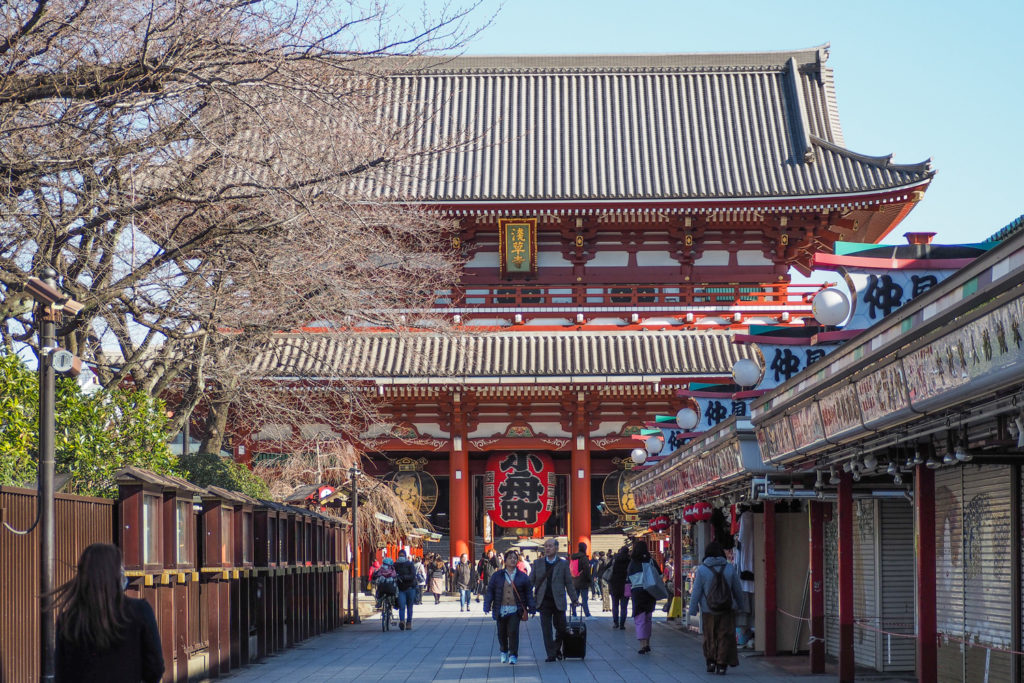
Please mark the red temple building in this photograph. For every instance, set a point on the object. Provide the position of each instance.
(622, 218)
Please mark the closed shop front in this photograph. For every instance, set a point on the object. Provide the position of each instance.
(973, 572)
(883, 585)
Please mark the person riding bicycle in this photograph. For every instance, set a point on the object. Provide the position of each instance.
(386, 580)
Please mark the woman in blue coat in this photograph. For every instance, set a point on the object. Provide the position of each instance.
(718, 621)
(509, 595)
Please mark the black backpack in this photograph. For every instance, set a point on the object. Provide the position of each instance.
(720, 594)
(406, 575)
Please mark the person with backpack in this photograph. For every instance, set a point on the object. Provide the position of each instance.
(582, 578)
(406, 574)
(617, 587)
(718, 594)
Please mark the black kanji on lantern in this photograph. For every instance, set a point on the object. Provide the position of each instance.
(521, 486)
(519, 462)
(525, 511)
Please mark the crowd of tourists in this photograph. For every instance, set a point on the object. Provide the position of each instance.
(101, 630)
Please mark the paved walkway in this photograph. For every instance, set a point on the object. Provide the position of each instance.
(446, 645)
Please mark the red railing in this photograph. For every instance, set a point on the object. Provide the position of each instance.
(645, 298)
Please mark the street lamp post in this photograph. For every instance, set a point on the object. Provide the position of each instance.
(54, 304)
(354, 566)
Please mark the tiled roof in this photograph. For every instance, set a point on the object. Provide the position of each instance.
(581, 356)
(627, 128)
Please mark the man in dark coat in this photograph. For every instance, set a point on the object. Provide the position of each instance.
(551, 581)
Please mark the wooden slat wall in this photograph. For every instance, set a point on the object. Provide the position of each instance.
(79, 522)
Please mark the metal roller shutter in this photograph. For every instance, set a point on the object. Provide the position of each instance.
(832, 587)
(865, 583)
(949, 578)
(987, 570)
(896, 565)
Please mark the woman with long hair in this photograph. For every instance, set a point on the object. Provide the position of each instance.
(102, 634)
(643, 602)
(617, 587)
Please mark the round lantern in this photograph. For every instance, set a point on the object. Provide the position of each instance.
(659, 523)
(654, 444)
(519, 489)
(830, 306)
(702, 511)
(746, 372)
(638, 456)
(417, 488)
(688, 514)
(687, 419)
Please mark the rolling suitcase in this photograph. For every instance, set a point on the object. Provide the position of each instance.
(574, 642)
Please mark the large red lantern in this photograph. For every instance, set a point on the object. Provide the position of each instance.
(702, 511)
(519, 489)
(688, 514)
(659, 524)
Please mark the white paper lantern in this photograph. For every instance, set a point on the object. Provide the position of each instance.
(687, 418)
(831, 306)
(746, 372)
(638, 456)
(654, 444)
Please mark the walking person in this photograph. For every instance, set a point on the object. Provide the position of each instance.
(485, 570)
(421, 579)
(718, 594)
(102, 634)
(437, 579)
(464, 582)
(643, 602)
(604, 571)
(551, 581)
(406, 573)
(509, 599)
(582, 577)
(595, 582)
(617, 587)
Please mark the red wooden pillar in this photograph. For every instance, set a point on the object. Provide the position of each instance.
(845, 521)
(458, 484)
(817, 561)
(579, 494)
(771, 603)
(677, 556)
(180, 636)
(924, 527)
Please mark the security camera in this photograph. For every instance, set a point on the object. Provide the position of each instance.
(48, 294)
(65, 362)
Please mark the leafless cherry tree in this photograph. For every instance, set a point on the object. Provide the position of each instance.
(203, 173)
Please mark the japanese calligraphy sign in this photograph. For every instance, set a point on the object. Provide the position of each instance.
(840, 411)
(782, 362)
(880, 292)
(517, 244)
(674, 438)
(714, 411)
(618, 494)
(519, 489)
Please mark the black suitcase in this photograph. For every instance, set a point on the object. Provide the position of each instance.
(574, 642)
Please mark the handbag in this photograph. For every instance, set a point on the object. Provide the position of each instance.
(652, 582)
(526, 612)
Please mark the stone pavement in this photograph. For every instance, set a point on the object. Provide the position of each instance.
(446, 645)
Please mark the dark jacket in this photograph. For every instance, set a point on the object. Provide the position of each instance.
(642, 600)
(617, 582)
(406, 571)
(561, 581)
(464, 576)
(492, 596)
(584, 578)
(137, 657)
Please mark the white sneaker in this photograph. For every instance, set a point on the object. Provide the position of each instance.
(504, 657)
(512, 659)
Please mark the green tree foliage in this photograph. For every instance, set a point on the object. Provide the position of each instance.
(95, 434)
(209, 469)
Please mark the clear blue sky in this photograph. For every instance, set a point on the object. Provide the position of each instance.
(939, 79)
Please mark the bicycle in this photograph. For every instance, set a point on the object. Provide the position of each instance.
(387, 605)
